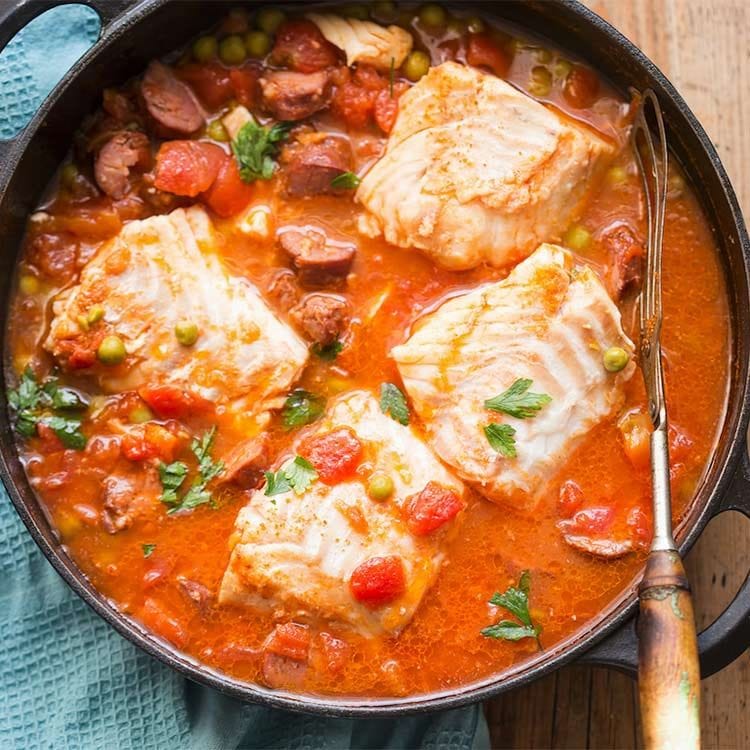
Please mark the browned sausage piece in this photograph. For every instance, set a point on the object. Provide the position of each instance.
(294, 96)
(312, 166)
(244, 464)
(125, 499)
(321, 317)
(316, 257)
(283, 288)
(627, 254)
(118, 155)
(170, 101)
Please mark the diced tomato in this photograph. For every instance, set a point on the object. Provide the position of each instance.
(593, 520)
(50, 442)
(92, 220)
(386, 107)
(432, 508)
(335, 455)
(151, 441)
(245, 83)
(570, 498)
(289, 640)
(581, 87)
(635, 428)
(171, 402)
(378, 581)
(366, 77)
(301, 46)
(229, 194)
(482, 51)
(210, 81)
(187, 167)
(80, 358)
(163, 624)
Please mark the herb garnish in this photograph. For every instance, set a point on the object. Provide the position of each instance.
(516, 601)
(32, 403)
(255, 148)
(301, 408)
(173, 475)
(297, 474)
(328, 352)
(393, 403)
(345, 181)
(390, 77)
(148, 549)
(501, 438)
(516, 402)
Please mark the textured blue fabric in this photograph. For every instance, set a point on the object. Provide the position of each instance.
(67, 680)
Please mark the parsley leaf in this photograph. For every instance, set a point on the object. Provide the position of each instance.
(328, 352)
(345, 181)
(148, 549)
(393, 403)
(516, 601)
(297, 474)
(301, 408)
(255, 148)
(66, 399)
(516, 402)
(67, 430)
(171, 477)
(208, 468)
(501, 438)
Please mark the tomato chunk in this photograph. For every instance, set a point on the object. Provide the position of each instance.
(187, 167)
(386, 107)
(301, 47)
(229, 194)
(289, 640)
(570, 498)
(378, 581)
(354, 104)
(171, 402)
(593, 520)
(245, 83)
(432, 508)
(211, 83)
(151, 441)
(335, 455)
(483, 52)
(581, 87)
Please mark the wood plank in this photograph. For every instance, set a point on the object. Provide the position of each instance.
(702, 48)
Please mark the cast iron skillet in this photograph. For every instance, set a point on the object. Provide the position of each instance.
(135, 32)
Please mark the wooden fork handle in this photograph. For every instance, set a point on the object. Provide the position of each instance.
(668, 669)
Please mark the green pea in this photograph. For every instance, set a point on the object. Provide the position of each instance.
(577, 238)
(68, 175)
(140, 414)
(29, 284)
(379, 486)
(94, 315)
(186, 332)
(456, 25)
(258, 43)
(433, 16)
(83, 323)
(204, 48)
(475, 25)
(616, 175)
(216, 131)
(269, 19)
(111, 351)
(562, 68)
(417, 64)
(232, 50)
(384, 11)
(615, 358)
(541, 81)
(355, 11)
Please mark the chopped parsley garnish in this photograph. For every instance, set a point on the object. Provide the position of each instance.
(502, 438)
(328, 352)
(301, 408)
(148, 549)
(516, 601)
(173, 475)
(390, 77)
(297, 474)
(517, 401)
(345, 181)
(48, 403)
(255, 148)
(393, 403)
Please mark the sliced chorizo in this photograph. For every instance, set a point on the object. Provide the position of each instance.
(293, 96)
(312, 166)
(123, 152)
(321, 317)
(316, 257)
(170, 101)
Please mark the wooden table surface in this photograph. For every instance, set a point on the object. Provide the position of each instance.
(702, 47)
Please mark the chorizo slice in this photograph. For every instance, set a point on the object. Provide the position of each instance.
(170, 101)
(244, 464)
(311, 166)
(124, 151)
(321, 317)
(317, 258)
(293, 96)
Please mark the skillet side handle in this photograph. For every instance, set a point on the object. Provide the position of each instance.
(668, 671)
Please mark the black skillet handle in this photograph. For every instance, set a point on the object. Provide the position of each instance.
(721, 642)
(15, 14)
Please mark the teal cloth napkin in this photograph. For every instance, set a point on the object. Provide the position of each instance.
(68, 680)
